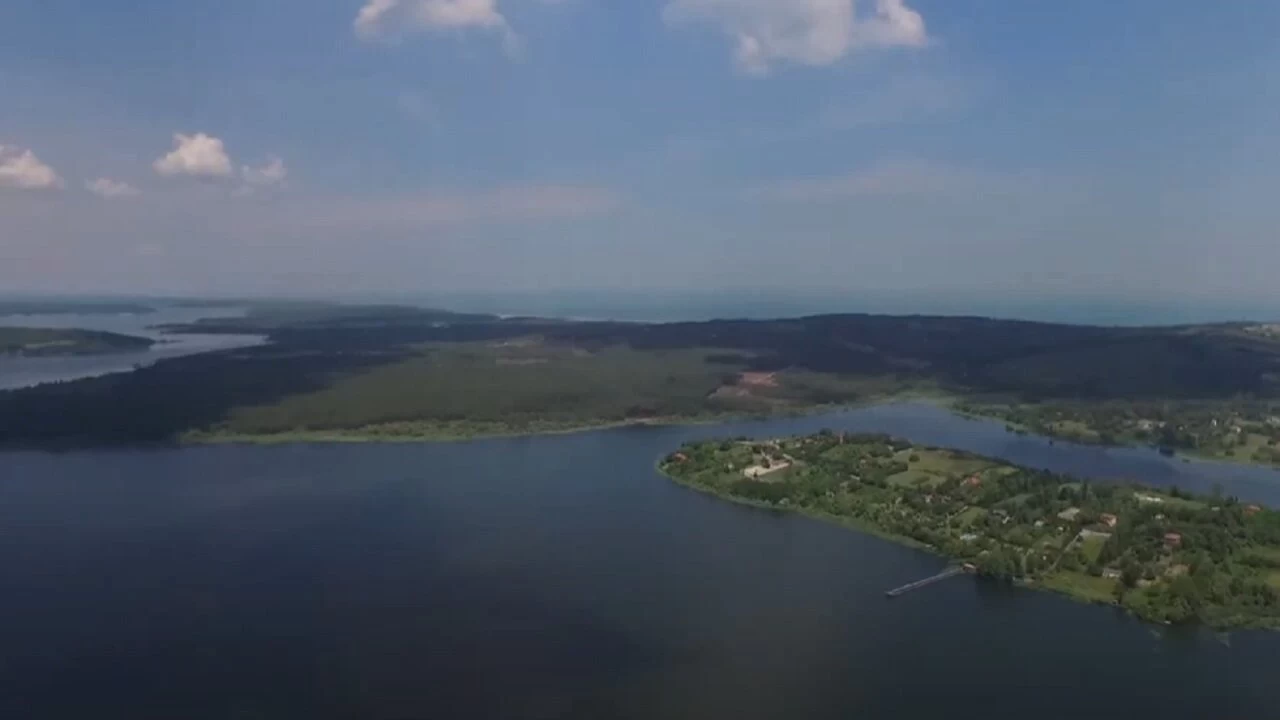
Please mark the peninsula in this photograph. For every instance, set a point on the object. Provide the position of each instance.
(1166, 556)
(53, 342)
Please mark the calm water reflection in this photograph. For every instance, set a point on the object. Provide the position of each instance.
(546, 578)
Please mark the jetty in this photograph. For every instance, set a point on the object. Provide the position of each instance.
(949, 572)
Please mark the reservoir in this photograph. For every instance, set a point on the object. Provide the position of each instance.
(18, 372)
(553, 577)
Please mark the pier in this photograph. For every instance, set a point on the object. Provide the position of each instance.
(949, 572)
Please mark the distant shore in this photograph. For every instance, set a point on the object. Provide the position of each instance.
(430, 431)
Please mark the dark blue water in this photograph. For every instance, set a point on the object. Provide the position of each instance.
(552, 577)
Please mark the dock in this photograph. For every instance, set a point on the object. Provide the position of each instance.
(949, 572)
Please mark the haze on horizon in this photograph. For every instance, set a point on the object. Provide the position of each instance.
(417, 147)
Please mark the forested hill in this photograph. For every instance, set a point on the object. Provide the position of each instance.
(1029, 359)
(981, 354)
(357, 367)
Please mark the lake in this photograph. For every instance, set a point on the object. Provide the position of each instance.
(18, 372)
(552, 577)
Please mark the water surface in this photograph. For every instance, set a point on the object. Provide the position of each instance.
(549, 577)
(18, 372)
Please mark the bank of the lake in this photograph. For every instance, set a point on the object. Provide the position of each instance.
(1082, 433)
(1102, 542)
(428, 431)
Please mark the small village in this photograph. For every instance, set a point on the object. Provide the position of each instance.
(1164, 554)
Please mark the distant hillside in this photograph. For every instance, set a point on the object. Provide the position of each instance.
(72, 307)
(409, 371)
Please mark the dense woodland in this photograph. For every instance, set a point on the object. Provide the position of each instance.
(1167, 556)
(325, 361)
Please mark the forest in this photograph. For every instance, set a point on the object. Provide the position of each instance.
(1166, 556)
(435, 371)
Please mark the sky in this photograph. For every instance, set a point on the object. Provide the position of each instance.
(1001, 148)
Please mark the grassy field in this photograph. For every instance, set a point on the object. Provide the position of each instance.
(912, 478)
(1081, 585)
(1075, 430)
(1091, 547)
(472, 389)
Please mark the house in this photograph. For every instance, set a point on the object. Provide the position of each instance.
(1069, 514)
(1108, 519)
(968, 537)
(1252, 510)
(1172, 540)
(973, 481)
(1111, 573)
(680, 457)
(1147, 499)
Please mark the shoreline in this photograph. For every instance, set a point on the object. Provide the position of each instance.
(1041, 584)
(444, 433)
(940, 399)
(441, 433)
(865, 528)
(1183, 454)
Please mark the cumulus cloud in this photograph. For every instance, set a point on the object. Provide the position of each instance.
(807, 32)
(198, 155)
(108, 188)
(271, 174)
(21, 169)
(378, 17)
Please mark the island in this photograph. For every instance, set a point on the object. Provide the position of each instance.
(1165, 555)
(58, 342)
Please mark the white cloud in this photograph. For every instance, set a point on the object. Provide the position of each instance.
(21, 169)
(108, 188)
(377, 17)
(198, 155)
(807, 32)
(271, 174)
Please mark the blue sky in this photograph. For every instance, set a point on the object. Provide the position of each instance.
(355, 147)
